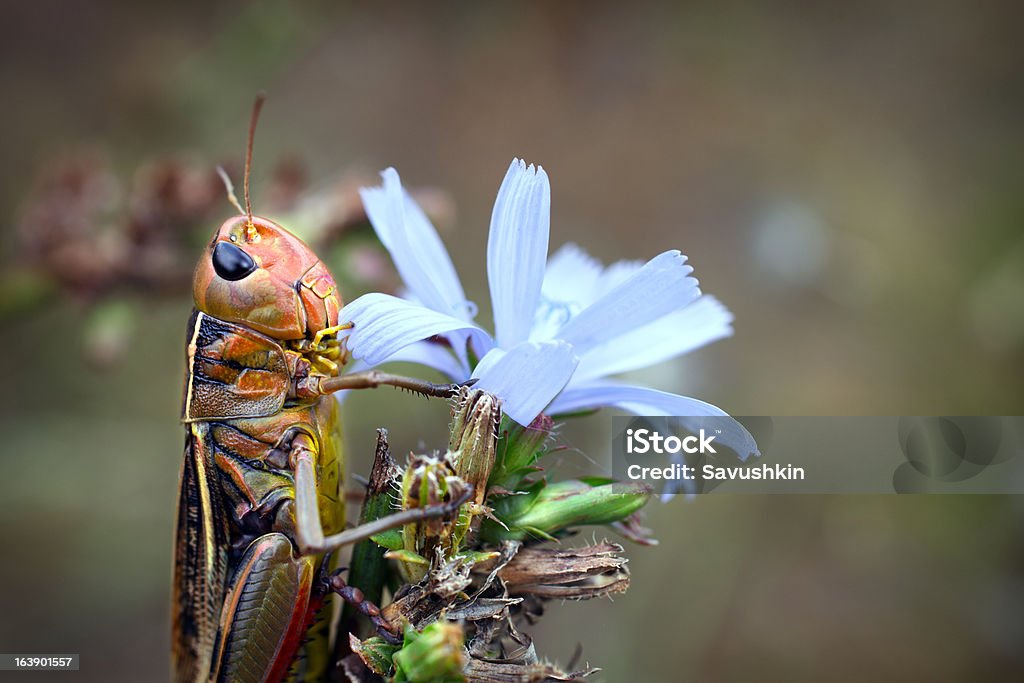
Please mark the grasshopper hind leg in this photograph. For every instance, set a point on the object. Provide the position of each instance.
(269, 595)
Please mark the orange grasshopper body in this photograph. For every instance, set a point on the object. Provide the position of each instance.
(243, 595)
(261, 503)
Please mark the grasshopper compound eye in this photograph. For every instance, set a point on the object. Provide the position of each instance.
(231, 262)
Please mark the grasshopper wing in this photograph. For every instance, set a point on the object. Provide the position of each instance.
(200, 560)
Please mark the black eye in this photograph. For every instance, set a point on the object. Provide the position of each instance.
(230, 262)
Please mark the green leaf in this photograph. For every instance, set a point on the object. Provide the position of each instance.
(476, 557)
(375, 652)
(390, 539)
(407, 556)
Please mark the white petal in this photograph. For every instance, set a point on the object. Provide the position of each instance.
(571, 277)
(488, 361)
(517, 248)
(615, 274)
(662, 285)
(415, 247)
(385, 324)
(644, 401)
(526, 377)
(702, 322)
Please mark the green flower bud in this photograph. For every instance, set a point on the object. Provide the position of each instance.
(519, 450)
(435, 655)
(427, 482)
(545, 510)
(474, 439)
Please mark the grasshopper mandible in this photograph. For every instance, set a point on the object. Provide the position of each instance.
(261, 501)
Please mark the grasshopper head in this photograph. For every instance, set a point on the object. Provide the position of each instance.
(256, 273)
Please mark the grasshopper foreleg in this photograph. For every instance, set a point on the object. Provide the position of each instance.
(372, 379)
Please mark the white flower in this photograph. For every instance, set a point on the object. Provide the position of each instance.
(561, 326)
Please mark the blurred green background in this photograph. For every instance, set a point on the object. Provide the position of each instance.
(845, 177)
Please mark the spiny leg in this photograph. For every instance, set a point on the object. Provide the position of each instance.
(371, 379)
(309, 530)
(352, 595)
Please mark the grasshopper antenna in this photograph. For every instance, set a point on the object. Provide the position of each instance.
(229, 187)
(257, 106)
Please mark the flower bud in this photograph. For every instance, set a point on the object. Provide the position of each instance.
(427, 482)
(548, 509)
(474, 439)
(435, 655)
(580, 573)
(519, 450)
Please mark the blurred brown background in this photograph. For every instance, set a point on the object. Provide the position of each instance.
(846, 179)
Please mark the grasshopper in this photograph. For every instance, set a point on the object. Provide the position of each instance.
(261, 499)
